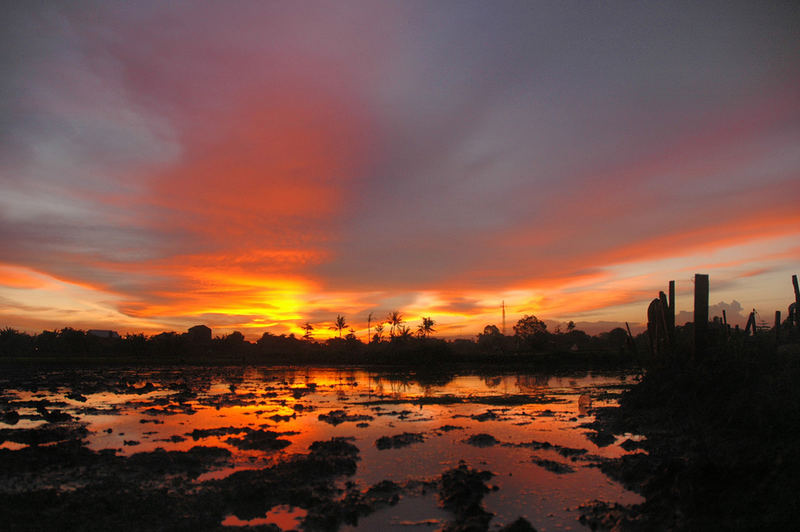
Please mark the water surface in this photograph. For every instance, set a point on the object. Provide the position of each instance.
(526, 428)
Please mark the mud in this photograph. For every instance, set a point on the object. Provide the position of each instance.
(482, 440)
(336, 417)
(399, 440)
(553, 466)
(50, 433)
(461, 492)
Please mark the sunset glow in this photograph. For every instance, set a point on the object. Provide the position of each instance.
(257, 166)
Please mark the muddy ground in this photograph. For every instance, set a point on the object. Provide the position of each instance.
(720, 448)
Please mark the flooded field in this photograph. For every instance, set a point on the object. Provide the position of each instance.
(310, 448)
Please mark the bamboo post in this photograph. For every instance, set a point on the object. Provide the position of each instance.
(700, 312)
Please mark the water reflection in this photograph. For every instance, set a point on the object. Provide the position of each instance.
(526, 421)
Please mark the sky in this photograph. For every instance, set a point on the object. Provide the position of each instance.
(257, 165)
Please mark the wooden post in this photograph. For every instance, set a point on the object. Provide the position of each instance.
(672, 308)
(796, 290)
(700, 312)
(630, 339)
(725, 326)
(751, 324)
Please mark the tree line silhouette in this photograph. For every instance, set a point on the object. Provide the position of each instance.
(390, 341)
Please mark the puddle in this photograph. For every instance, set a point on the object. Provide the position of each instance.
(283, 516)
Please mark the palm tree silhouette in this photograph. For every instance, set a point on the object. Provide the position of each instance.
(339, 325)
(307, 327)
(403, 332)
(395, 319)
(379, 331)
(426, 327)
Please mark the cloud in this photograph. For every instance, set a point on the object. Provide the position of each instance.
(734, 313)
(262, 166)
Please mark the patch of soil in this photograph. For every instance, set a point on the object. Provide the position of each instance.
(482, 440)
(336, 417)
(461, 492)
(520, 525)
(399, 440)
(553, 466)
(600, 515)
(277, 418)
(566, 452)
(10, 417)
(52, 432)
(197, 434)
(632, 445)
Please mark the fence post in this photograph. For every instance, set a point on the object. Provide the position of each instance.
(672, 308)
(796, 301)
(700, 312)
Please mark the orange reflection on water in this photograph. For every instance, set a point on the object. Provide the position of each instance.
(521, 412)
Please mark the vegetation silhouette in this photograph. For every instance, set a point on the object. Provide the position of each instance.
(394, 319)
(532, 343)
(425, 328)
(339, 324)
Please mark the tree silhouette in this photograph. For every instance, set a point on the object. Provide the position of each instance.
(531, 330)
(403, 333)
(395, 319)
(490, 330)
(378, 332)
(491, 339)
(426, 327)
(339, 325)
(307, 327)
(530, 326)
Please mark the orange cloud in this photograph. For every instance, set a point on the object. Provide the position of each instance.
(15, 277)
(277, 164)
